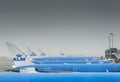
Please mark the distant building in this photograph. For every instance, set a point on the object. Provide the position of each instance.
(113, 53)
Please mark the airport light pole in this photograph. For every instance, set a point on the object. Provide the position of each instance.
(109, 39)
(112, 38)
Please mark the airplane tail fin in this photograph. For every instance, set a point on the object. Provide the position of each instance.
(18, 57)
(61, 53)
(42, 53)
(32, 54)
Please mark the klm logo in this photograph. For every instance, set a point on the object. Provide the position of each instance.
(19, 58)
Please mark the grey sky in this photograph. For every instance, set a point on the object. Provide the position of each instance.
(73, 26)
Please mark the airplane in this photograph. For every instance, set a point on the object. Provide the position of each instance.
(59, 77)
(71, 62)
(22, 62)
(66, 58)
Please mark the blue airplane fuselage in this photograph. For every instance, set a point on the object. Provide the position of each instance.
(70, 62)
(73, 67)
(59, 77)
(66, 58)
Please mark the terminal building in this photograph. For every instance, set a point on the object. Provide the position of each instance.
(113, 54)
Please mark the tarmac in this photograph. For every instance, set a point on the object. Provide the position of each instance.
(5, 64)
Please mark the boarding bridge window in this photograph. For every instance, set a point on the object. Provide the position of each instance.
(112, 51)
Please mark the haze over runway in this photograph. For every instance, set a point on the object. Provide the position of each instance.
(72, 26)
